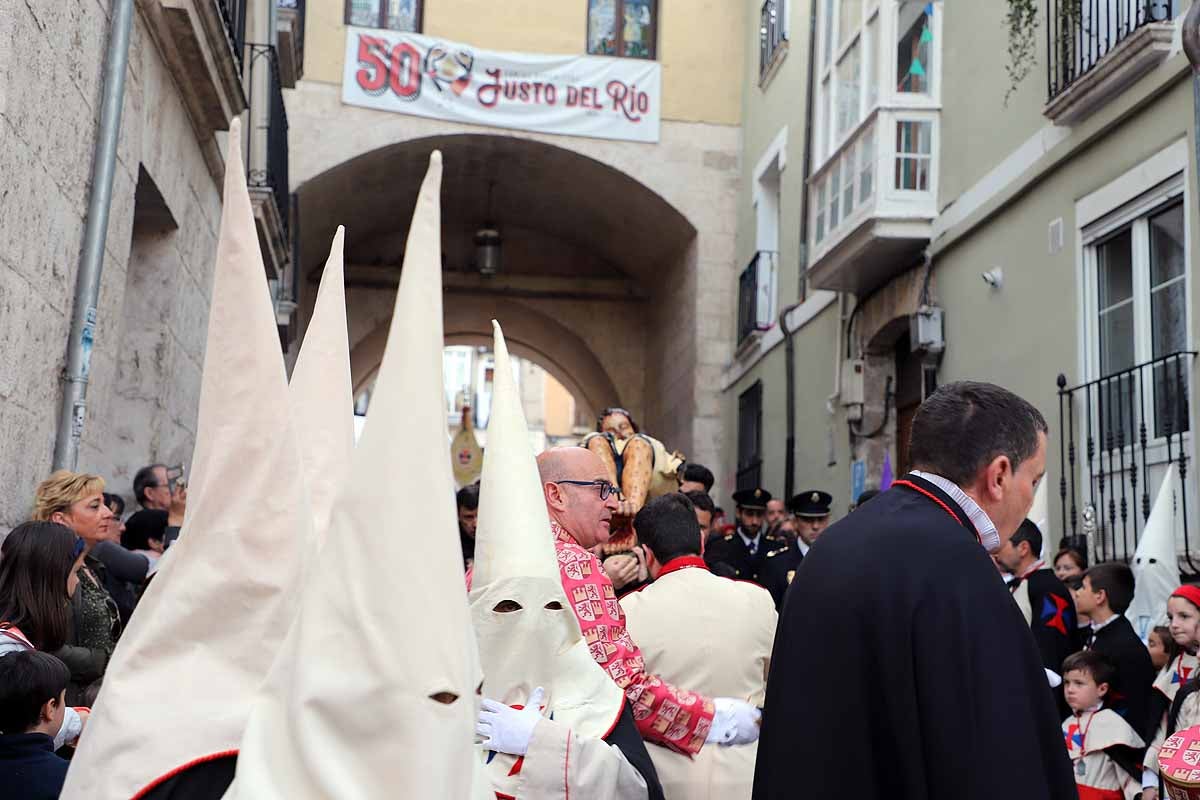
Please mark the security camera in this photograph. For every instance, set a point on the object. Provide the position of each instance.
(994, 277)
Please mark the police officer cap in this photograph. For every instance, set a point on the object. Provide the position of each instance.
(812, 503)
(752, 498)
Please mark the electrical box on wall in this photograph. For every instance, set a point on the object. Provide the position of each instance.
(925, 330)
(852, 391)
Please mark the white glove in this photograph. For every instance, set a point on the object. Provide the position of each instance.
(506, 729)
(735, 722)
(1054, 678)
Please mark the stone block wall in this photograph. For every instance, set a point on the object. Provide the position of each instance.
(153, 306)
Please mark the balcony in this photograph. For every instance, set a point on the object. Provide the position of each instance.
(201, 42)
(1118, 435)
(874, 201)
(289, 26)
(267, 157)
(756, 295)
(1097, 48)
(772, 40)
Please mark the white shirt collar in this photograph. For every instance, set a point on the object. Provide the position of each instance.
(749, 540)
(1098, 625)
(989, 537)
(804, 548)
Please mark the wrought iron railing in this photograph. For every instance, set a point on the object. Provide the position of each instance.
(233, 14)
(749, 433)
(770, 36)
(1132, 425)
(267, 167)
(756, 294)
(1082, 32)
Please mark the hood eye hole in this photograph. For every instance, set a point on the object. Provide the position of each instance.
(554, 605)
(507, 607)
(445, 698)
(479, 688)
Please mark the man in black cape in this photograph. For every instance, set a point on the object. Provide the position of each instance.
(902, 669)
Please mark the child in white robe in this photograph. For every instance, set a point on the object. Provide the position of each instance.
(1093, 734)
(1179, 709)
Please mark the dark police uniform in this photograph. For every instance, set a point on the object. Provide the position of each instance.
(781, 561)
(730, 556)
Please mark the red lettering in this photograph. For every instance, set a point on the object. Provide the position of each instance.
(572, 96)
(626, 100)
(372, 78)
(406, 71)
(551, 94)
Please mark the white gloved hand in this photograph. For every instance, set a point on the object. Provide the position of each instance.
(735, 722)
(1053, 678)
(506, 729)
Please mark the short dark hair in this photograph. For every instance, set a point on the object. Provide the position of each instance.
(147, 524)
(111, 500)
(1073, 554)
(668, 526)
(963, 426)
(1028, 531)
(702, 501)
(1100, 668)
(1116, 579)
(700, 474)
(468, 497)
(35, 561)
(866, 496)
(28, 679)
(1169, 643)
(144, 479)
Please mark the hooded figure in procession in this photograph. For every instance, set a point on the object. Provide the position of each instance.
(553, 723)
(936, 691)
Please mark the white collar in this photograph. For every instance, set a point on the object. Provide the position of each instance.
(750, 541)
(1034, 567)
(1096, 626)
(804, 547)
(989, 537)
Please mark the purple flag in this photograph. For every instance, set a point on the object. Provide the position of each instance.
(885, 481)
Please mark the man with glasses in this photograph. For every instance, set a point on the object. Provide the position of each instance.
(155, 491)
(581, 501)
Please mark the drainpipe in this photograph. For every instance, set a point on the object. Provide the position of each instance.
(91, 260)
(1191, 47)
(789, 347)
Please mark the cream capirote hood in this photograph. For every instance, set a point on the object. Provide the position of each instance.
(351, 708)
(540, 644)
(1155, 562)
(180, 684)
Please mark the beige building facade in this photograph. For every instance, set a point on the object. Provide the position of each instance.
(189, 71)
(970, 226)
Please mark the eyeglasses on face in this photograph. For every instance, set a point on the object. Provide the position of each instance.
(606, 487)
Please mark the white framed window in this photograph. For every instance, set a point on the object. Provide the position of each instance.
(914, 155)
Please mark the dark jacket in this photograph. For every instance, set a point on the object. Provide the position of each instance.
(125, 573)
(730, 556)
(29, 770)
(87, 660)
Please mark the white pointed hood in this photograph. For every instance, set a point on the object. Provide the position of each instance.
(322, 395)
(1155, 563)
(349, 710)
(540, 644)
(180, 684)
(1039, 514)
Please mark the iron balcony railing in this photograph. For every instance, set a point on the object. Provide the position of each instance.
(770, 36)
(756, 294)
(1118, 435)
(1082, 32)
(267, 168)
(749, 443)
(233, 14)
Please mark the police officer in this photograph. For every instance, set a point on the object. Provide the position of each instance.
(810, 513)
(740, 554)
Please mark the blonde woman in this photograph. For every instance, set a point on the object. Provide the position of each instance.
(76, 500)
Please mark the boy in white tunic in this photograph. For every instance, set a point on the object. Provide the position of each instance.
(1096, 737)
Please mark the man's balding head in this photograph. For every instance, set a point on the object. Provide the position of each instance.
(577, 508)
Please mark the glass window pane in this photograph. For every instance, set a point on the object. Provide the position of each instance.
(1166, 245)
(1168, 319)
(820, 224)
(914, 138)
(602, 27)
(849, 19)
(639, 29)
(835, 195)
(364, 13)
(1170, 397)
(1116, 339)
(1114, 259)
(914, 49)
(849, 168)
(870, 59)
(825, 126)
(866, 179)
(402, 15)
(849, 90)
(829, 22)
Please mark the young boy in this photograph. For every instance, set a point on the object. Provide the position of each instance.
(33, 703)
(1096, 737)
(1105, 593)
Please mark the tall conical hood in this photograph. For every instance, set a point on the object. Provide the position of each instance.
(383, 628)
(515, 563)
(1155, 563)
(322, 395)
(1039, 514)
(211, 621)
(512, 537)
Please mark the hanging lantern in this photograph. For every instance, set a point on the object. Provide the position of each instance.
(487, 250)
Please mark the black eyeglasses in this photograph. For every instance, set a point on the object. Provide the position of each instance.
(606, 487)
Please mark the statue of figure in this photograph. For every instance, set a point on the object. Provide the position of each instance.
(640, 465)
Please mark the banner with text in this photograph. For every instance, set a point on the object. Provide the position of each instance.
(606, 98)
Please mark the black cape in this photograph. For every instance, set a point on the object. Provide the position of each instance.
(902, 669)
(1130, 693)
(204, 780)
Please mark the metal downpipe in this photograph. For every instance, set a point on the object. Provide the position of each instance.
(91, 260)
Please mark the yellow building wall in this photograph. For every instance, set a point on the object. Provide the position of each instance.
(699, 44)
(560, 408)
